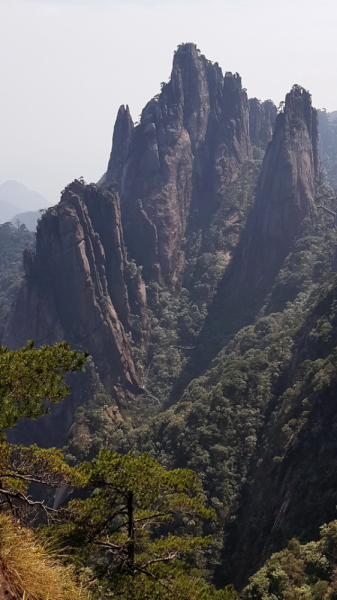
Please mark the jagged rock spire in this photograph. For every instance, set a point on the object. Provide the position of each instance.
(120, 144)
(76, 288)
(189, 145)
(284, 198)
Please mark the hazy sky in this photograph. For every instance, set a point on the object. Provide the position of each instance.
(67, 65)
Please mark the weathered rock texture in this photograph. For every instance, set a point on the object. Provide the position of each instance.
(284, 197)
(77, 287)
(262, 116)
(188, 146)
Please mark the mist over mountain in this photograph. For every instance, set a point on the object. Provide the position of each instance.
(7, 211)
(200, 273)
(21, 197)
(29, 219)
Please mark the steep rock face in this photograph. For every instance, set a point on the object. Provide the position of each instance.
(74, 287)
(284, 197)
(120, 143)
(188, 147)
(262, 116)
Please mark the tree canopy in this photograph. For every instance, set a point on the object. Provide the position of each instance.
(138, 529)
(31, 376)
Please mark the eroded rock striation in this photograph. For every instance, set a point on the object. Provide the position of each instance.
(189, 145)
(77, 285)
(262, 116)
(285, 196)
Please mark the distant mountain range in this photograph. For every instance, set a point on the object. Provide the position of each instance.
(18, 203)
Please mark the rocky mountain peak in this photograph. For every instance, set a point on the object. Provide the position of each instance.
(120, 143)
(78, 287)
(186, 150)
(285, 196)
(285, 192)
(300, 116)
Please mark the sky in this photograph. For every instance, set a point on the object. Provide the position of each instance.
(67, 65)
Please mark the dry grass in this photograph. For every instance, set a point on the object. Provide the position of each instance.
(27, 568)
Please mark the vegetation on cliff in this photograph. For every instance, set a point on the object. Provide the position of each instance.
(299, 571)
(13, 241)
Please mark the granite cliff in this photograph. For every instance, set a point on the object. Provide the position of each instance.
(285, 197)
(77, 288)
(262, 116)
(188, 147)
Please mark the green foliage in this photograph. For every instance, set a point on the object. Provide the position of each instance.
(240, 412)
(176, 583)
(299, 572)
(20, 467)
(214, 427)
(30, 376)
(177, 316)
(137, 529)
(135, 535)
(97, 424)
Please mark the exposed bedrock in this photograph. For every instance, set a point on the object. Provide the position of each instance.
(189, 145)
(284, 197)
(262, 116)
(76, 287)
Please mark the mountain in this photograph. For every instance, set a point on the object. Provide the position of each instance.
(262, 116)
(188, 147)
(285, 198)
(80, 285)
(79, 259)
(22, 198)
(200, 275)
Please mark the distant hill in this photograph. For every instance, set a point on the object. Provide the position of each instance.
(21, 197)
(7, 211)
(29, 219)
